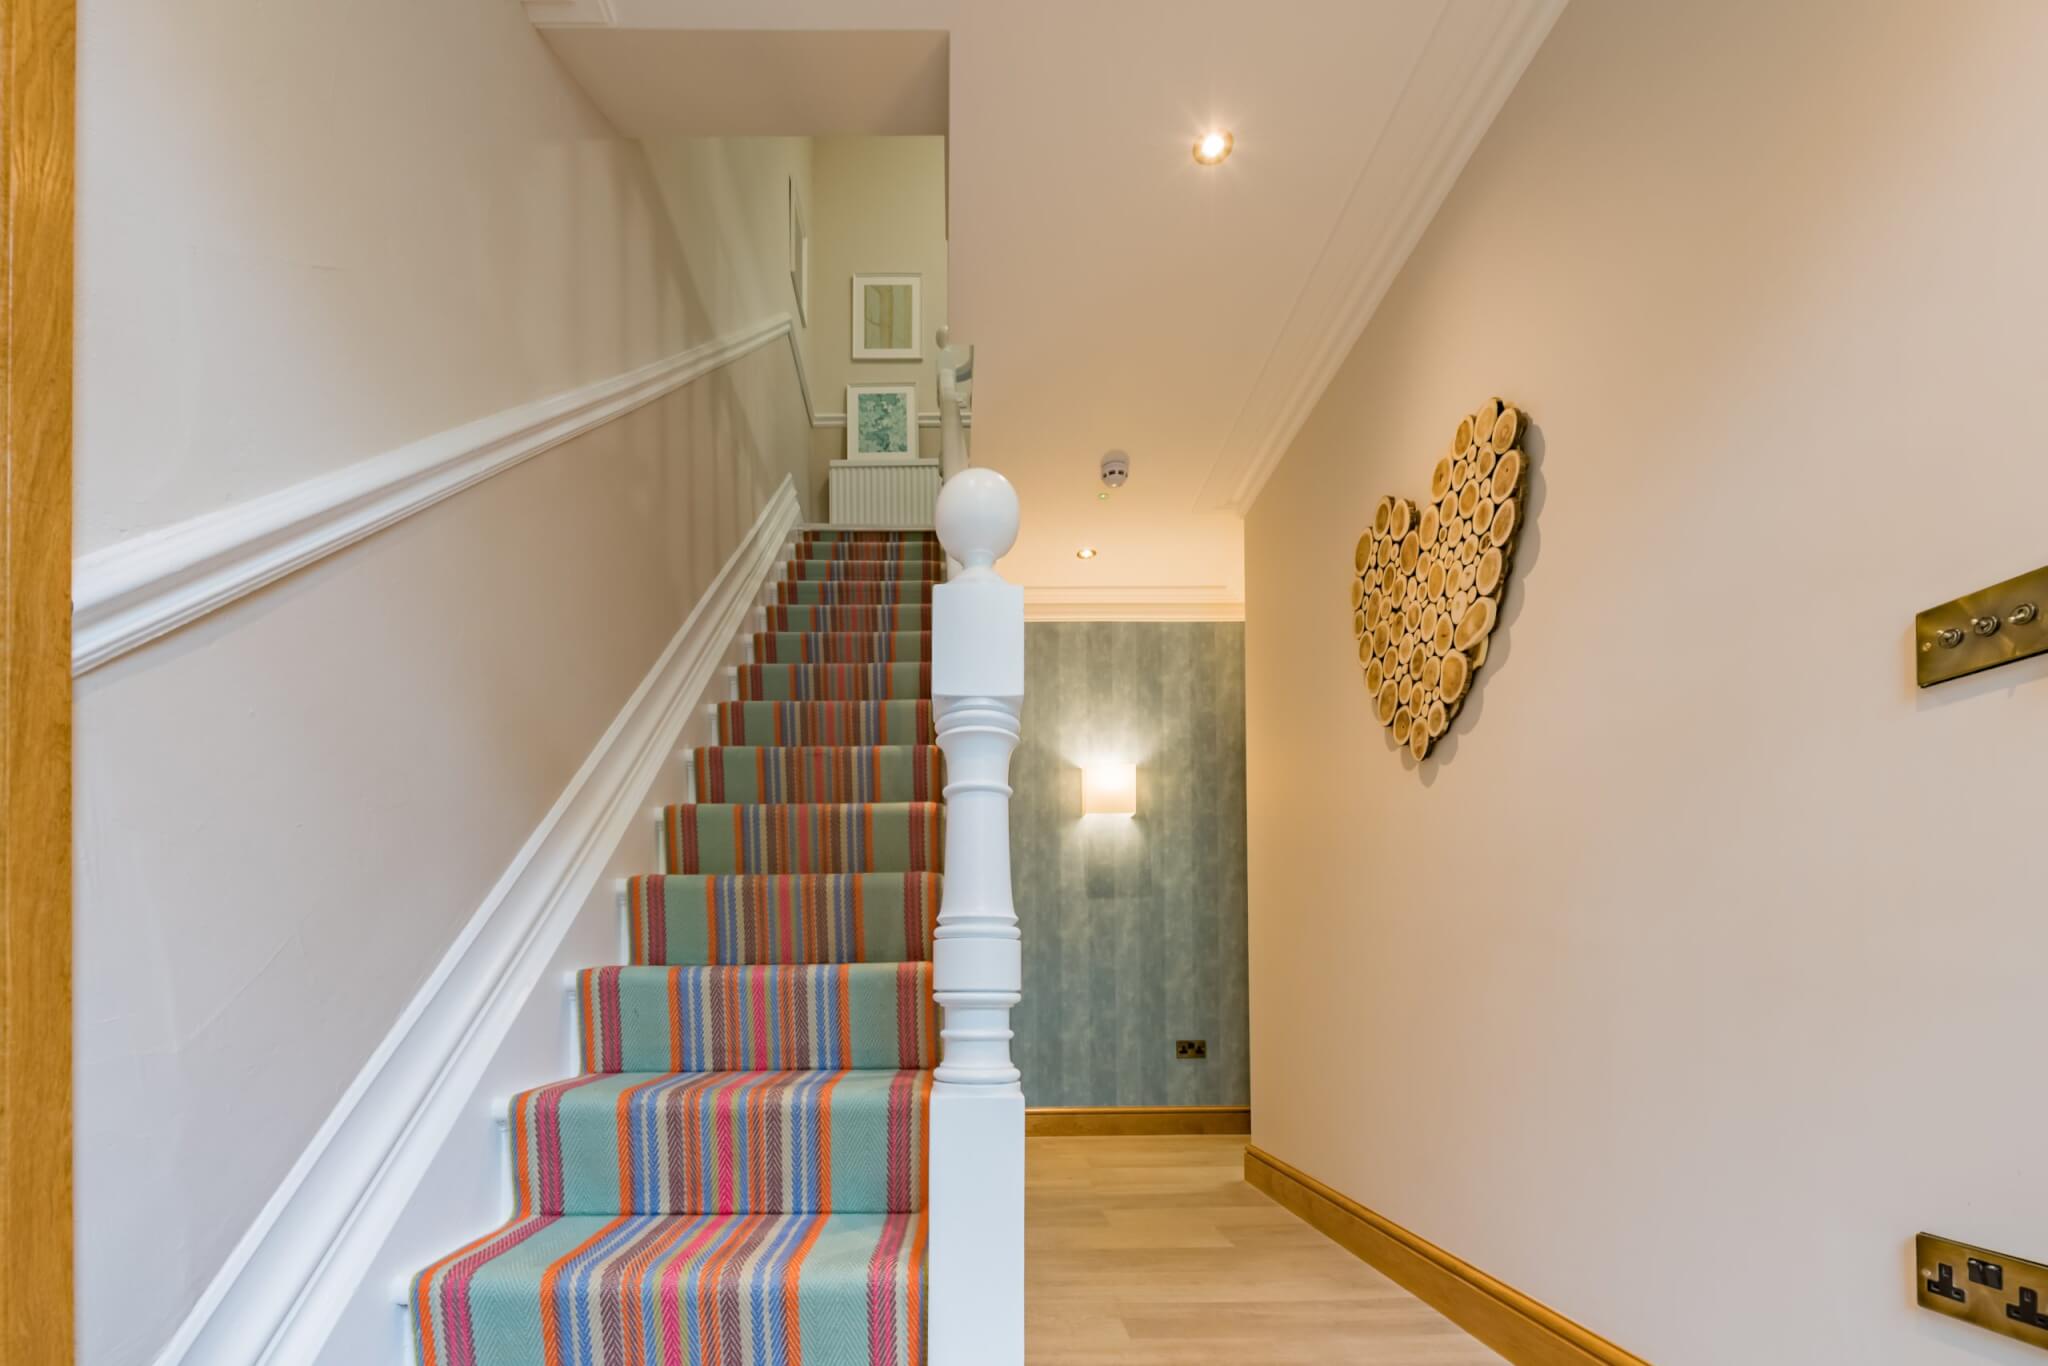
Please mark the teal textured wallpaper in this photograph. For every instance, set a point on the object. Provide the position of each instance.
(1134, 928)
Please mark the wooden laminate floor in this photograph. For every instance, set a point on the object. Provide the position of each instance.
(1154, 1251)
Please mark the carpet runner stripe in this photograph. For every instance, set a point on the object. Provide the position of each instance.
(776, 1018)
(745, 1289)
(737, 919)
(818, 773)
(909, 616)
(902, 571)
(842, 647)
(834, 682)
(853, 592)
(896, 722)
(766, 1142)
(816, 837)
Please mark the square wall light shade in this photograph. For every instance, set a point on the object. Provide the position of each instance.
(1109, 789)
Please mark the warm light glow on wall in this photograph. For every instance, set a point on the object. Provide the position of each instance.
(1212, 147)
(1109, 789)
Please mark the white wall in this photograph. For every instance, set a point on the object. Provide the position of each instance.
(1703, 969)
(308, 235)
(881, 209)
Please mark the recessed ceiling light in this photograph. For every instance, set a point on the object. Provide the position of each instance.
(1211, 148)
(1086, 552)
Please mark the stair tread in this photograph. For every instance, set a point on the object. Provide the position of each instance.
(724, 1142)
(828, 1289)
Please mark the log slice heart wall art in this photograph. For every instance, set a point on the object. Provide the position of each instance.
(1429, 577)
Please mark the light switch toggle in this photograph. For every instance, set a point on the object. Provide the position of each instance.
(1982, 630)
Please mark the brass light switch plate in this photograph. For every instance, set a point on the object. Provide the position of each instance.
(1982, 630)
(2008, 1295)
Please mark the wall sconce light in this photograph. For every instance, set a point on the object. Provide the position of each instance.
(1109, 789)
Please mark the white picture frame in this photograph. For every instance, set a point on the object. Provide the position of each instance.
(799, 255)
(881, 421)
(900, 337)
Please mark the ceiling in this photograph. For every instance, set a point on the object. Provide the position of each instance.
(1120, 296)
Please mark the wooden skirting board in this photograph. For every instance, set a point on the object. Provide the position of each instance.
(1107, 1121)
(1519, 1328)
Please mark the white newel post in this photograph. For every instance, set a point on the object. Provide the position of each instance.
(977, 1162)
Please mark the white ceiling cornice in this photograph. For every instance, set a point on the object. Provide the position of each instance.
(571, 13)
(1472, 63)
(1205, 602)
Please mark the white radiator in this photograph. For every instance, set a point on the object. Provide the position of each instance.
(892, 493)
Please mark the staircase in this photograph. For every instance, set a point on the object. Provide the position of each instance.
(740, 1172)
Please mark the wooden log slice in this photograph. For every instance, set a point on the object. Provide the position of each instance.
(1482, 515)
(1357, 594)
(1457, 672)
(1404, 688)
(1491, 565)
(1383, 517)
(1403, 520)
(1410, 548)
(1382, 638)
(1375, 608)
(1461, 475)
(1402, 722)
(1468, 500)
(1474, 624)
(1440, 479)
(1488, 458)
(1483, 420)
(1427, 528)
(1387, 703)
(1426, 628)
(1448, 508)
(1439, 718)
(1434, 584)
(1506, 427)
(1375, 676)
(1432, 670)
(1411, 613)
(1361, 559)
(1446, 628)
(1507, 475)
(1503, 529)
(1463, 437)
(1477, 654)
(1419, 741)
(1365, 655)
(1360, 631)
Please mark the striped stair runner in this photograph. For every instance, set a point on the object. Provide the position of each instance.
(737, 1176)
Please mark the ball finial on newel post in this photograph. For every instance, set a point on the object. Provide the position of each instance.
(976, 518)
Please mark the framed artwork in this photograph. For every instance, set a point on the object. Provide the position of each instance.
(881, 421)
(886, 317)
(799, 255)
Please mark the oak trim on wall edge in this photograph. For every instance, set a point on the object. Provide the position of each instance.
(1106, 1121)
(1521, 1329)
(38, 64)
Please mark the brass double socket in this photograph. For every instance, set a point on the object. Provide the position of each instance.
(2008, 1295)
(1982, 630)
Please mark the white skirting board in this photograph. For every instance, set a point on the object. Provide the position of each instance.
(897, 493)
(410, 1165)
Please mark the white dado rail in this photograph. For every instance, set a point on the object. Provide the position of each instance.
(977, 1171)
(891, 493)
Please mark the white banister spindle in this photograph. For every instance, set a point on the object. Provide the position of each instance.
(977, 1171)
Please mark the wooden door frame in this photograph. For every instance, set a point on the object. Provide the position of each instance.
(38, 81)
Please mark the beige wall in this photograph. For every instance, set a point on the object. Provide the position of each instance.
(1703, 969)
(880, 209)
(308, 235)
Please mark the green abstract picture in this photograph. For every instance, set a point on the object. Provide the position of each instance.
(881, 421)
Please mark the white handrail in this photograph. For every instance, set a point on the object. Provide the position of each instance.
(956, 387)
(977, 1155)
